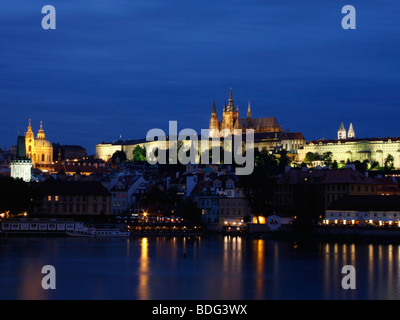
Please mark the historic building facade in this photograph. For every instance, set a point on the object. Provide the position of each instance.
(268, 134)
(21, 165)
(230, 120)
(348, 148)
(39, 150)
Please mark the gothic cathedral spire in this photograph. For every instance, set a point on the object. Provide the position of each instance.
(249, 112)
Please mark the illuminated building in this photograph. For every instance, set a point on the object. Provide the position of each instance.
(231, 121)
(39, 150)
(268, 134)
(352, 149)
(21, 165)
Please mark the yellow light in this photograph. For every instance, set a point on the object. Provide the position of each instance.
(261, 220)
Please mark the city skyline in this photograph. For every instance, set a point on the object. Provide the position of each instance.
(112, 70)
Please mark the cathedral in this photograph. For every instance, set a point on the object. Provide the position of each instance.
(39, 150)
(231, 120)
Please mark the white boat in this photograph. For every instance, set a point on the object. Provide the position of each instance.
(98, 233)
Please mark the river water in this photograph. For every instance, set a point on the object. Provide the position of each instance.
(208, 267)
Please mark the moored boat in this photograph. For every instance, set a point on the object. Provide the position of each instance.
(98, 233)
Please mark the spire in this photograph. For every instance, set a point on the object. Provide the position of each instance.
(230, 104)
(214, 111)
(29, 134)
(41, 134)
(59, 160)
(341, 131)
(351, 133)
(249, 112)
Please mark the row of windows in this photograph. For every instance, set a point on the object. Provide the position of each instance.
(119, 195)
(71, 208)
(222, 212)
(75, 198)
(365, 215)
(118, 203)
(223, 202)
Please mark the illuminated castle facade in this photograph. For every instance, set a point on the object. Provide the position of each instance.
(39, 150)
(349, 148)
(268, 134)
(230, 120)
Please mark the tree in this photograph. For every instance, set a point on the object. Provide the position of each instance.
(309, 158)
(283, 160)
(139, 154)
(308, 206)
(259, 186)
(327, 158)
(16, 196)
(389, 162)
(374, 165)
(118, 156)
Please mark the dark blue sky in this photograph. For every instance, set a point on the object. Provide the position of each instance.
(123, 67)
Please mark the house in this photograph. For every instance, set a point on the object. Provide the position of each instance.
(73, 197)
(364, 209)
(329, 184)
(125, 191)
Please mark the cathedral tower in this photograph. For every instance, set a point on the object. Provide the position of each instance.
(230, 117)
(29, 141)
(351, 133)
(341, 132)
(214, 123)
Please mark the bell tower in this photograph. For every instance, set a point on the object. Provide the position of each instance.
(341, 132)
(230, 116)
(29, 141)
(214, 123)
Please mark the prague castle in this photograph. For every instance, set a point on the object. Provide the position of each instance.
(268, 134)
(231, 121)
(349, 148)
(39, 150)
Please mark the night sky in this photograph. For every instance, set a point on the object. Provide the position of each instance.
(123, 67)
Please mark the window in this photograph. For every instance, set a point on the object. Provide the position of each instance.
(48, 198)
(56, 198)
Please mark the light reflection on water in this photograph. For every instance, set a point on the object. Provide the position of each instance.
(212, 267)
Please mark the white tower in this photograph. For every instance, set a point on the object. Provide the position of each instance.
(351, 134)
(21, 166)
(341, 132)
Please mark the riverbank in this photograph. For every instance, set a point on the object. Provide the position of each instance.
(334, 234)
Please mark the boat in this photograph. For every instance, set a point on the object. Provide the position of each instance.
(98, 233)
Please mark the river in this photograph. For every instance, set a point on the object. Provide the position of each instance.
(195, 268)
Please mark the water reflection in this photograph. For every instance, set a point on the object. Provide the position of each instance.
(232, 277)
(259, 249)
(30, 278)
(214, 268)
(143, 291)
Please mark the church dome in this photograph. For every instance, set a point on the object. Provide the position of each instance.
(42, 143)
